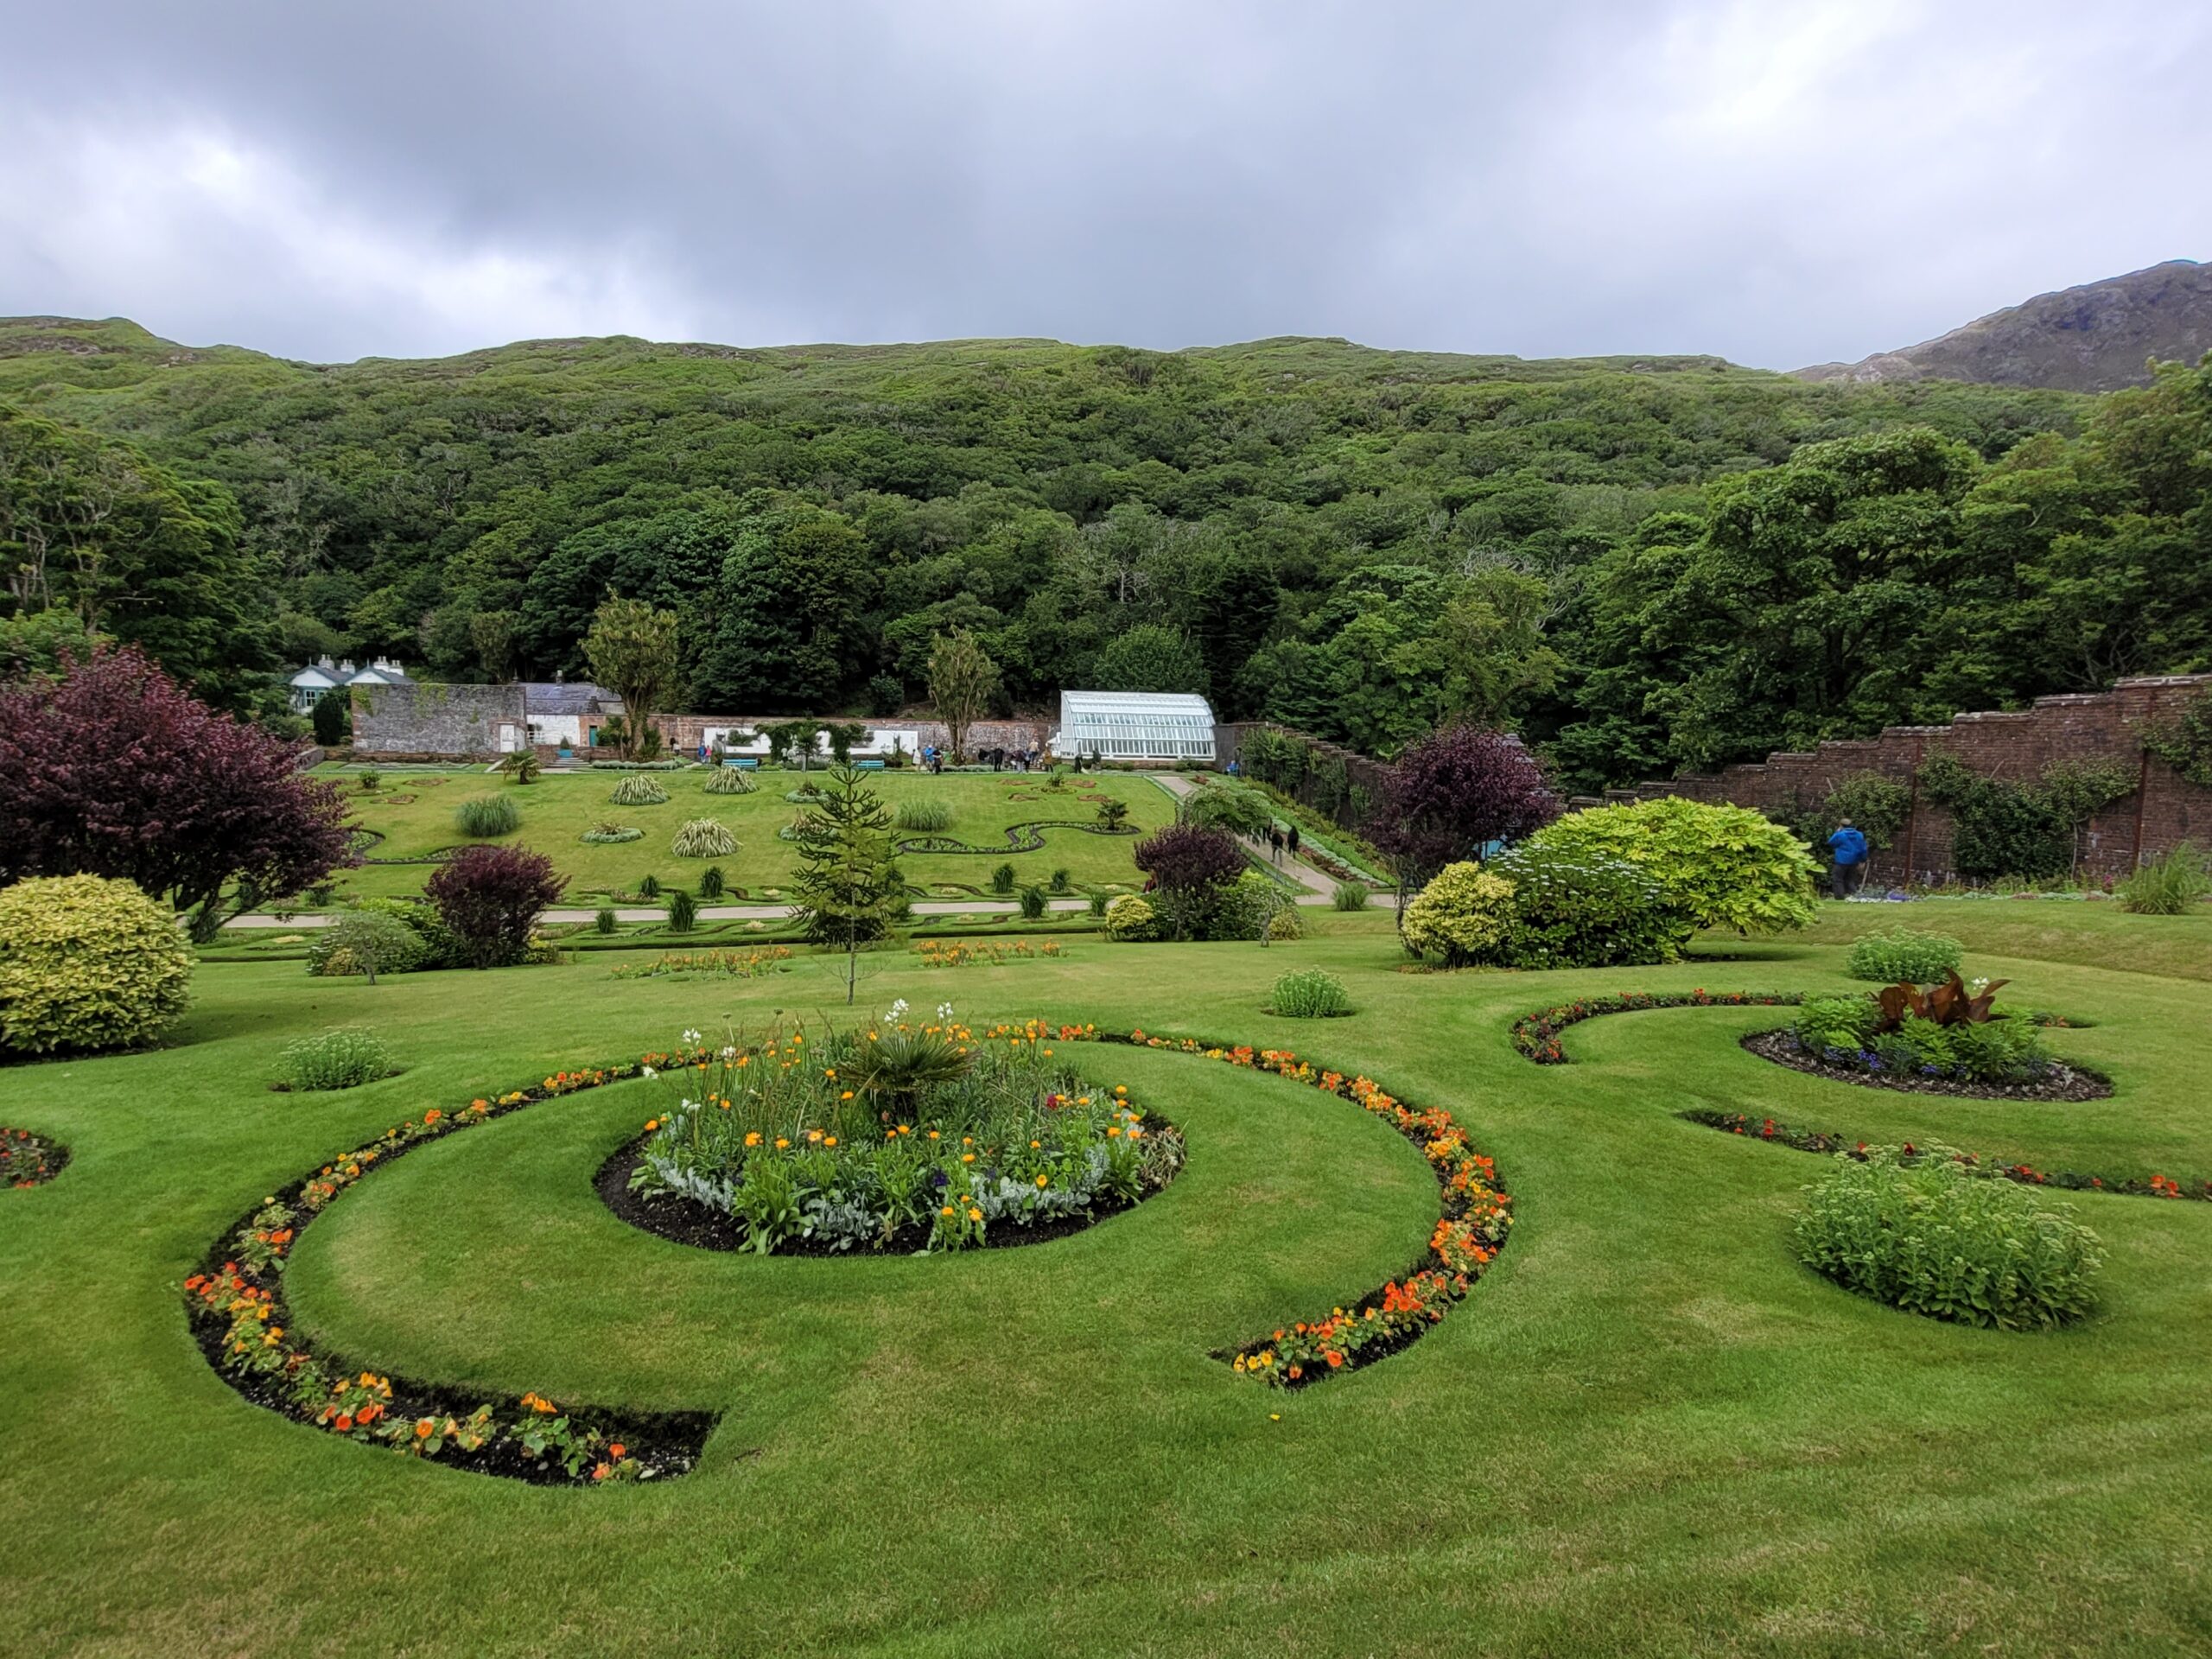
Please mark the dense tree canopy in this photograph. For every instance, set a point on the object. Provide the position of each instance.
(1637, 565)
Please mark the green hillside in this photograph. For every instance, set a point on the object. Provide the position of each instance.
(1360, 542)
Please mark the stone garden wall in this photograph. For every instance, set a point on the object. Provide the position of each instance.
(2163, 810)
(437, 722)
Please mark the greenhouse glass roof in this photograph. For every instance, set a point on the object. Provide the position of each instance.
(1135, 726)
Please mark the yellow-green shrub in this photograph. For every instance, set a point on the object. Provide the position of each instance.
(1462, 915)
(87, 962)
(1130, 918)
(1716, 866)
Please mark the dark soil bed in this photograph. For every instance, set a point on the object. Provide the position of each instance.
(683, 1221)
(2063, 1081)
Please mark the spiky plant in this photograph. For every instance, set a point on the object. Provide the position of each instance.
(636, 789)
(729, 780)
(703, 838)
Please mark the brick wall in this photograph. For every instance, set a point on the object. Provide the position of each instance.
(444, 721)
(2163, 811)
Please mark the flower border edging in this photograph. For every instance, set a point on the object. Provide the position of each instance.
(1536, 1035)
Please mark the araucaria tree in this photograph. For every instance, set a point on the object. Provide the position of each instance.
(849, 888)
(963, 682)
(1450, 794)
(631, 651)
(490, 898)
(115, 770)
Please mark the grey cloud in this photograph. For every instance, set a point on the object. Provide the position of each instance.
(1779, 184)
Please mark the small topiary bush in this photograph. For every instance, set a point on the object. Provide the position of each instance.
(1349, 896)
(1310, 993)
(1888, 958)
(703, 838)
(1032, 900)
(729, 780)
(1462, 916)
(636, 789)
(682, 911)
(366, 942)
(87, 962)
(2167, 886)
(924, 816)
(1002, 878)
(605, 922)
(1714, 866)
(344, 1059)
(484, 816)
(1130, 920)
(1240, 910)
(649, 887)
(1928, 1232)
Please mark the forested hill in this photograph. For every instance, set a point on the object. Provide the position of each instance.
(1643, 562)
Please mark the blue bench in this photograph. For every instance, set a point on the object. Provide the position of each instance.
(868, 765)
(745, 761)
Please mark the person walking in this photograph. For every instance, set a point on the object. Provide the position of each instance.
(1847, 850)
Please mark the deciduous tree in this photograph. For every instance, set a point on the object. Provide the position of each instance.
(633, 651)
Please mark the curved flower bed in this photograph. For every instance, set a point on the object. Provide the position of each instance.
(1029, 837)
(27, 1159)
(1800, 1139)
(1476, 1222)
(236, 1304)
(1536, 1035)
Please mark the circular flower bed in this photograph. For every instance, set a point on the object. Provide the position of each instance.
(2052, 1080)
(909, 1135)
(27, 1159)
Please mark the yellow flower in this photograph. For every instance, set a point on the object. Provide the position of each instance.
(1044, 1181)
(974, 1215)
(848, 1095)
(781, 1143)
(967, 1157)
(830, 1140)
(948, 1212)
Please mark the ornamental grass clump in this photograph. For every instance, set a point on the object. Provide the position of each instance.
(900, 1135)
(636, 789)
(1925, 1229)
(344, 1059)
(2170, 885)
(729, 780)
(87, 962)
(682, 911)
(1902, 954)
(1349, 896)
(485, 815)
(924, 816)
(1310, 993)
(703, 838)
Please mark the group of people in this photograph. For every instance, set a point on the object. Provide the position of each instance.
(1001, 760)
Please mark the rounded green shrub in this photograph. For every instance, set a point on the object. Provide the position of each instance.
(87, 962)
(484, 816)
(605, 921)
(1239, 910)
(344, 1059)
(1890, 958)
(924, 814)
(1929, 1232)
(1585, 910)
(703, 838)
(366, 942)
(1715, 866)
(712, 882)
(1130, 919)
(636, 789)
(1310, 993)
(1285, 925)
(1462, 916)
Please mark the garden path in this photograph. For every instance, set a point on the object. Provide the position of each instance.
(1319, 889)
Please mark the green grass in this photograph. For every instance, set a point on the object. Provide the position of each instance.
(2091, 932)
(1648, 1431)
(560, 807)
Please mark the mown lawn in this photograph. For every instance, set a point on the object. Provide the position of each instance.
(414, 812)
(1648, 1431)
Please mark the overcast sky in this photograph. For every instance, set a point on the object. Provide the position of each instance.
(1783, 183)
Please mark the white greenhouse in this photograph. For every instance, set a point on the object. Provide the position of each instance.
(1134, 726)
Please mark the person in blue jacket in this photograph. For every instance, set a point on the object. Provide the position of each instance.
(1847, 847)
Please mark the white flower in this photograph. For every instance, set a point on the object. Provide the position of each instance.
(691, 1038)
(944, 1010)
(897, 1011)
(646, 1071)
(730, 1052)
